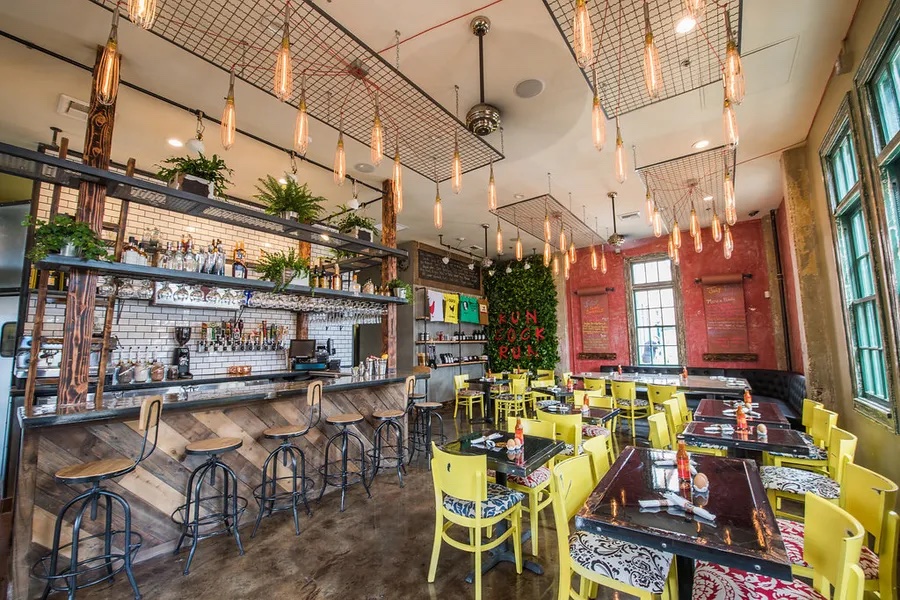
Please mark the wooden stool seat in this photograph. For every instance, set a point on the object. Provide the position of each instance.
(96, 469)
(429, 405)
(345, 419)
(285, 431)
(214, 445)
(388, 414)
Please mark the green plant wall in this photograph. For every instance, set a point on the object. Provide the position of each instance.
(522, 316)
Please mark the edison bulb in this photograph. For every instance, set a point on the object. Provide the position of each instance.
(438, 212)
(572, 253)
(730, 124)
(698, 242)
(594, 262)
(603, 261)
(499, 239)
(518, 248)
(376, 140)
(657, 222)
(598, 124)
(652, 67)
(142, 12)
(716, 227)
(651, 209)
(562, 239)
(547, 253)
(621, 160)
(676, 258)
(301, 127)
(283, 76)
(734, 74)
(229, 121)
(397, 180)
(695, 223)
(670, 248)
(492, 190)
(456, 182)
(676, 234)
(555, 265)
(730, 203)
(107, 86)
(728, 244)
(583, 35)
(566, 265)
(695, 8)
(547, 231)
(340, 161)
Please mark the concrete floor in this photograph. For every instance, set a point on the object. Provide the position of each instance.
(378, 549)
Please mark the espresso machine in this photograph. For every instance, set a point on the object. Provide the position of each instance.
(183, 353)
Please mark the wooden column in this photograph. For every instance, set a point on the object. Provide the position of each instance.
(388, 272)
(305, 250)
(80, 300)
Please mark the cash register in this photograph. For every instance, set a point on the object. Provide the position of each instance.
(304, 356)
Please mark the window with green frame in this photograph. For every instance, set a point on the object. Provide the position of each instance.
(863, 316)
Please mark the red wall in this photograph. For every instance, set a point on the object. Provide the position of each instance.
(749, 257)
(790, 290)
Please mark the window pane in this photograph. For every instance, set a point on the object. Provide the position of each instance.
(642, 317)
(671, 355)
(652, 272)
(886, 100)
(890, 185)
(667, 297)
(665, 270)
(668, 316)
(639, 272)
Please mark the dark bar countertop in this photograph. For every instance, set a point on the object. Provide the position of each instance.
(198, 395)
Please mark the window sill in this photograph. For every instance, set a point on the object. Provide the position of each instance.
(875, 412)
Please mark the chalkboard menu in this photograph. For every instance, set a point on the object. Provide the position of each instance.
(456, 273)
(595, 323)
(726, 318)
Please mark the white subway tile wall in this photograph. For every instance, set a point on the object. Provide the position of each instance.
(144, 325)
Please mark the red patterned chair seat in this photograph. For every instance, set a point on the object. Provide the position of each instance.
(535, 479)
(715, 582)
(588, 430)
(792, 533)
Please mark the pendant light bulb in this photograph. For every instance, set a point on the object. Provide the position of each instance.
(566, 265)
(598, 124)
(583, 35)
(695, 223)
(547, 254)
(676, 234)
(492, 190)
(376, 140)
(695, 8)
(107, 80)
(657, 222)
(594, 260)
(456, 182)
(676, 256)
(651, 209)
(301, 125)
(652, 65)
(555, 265)
(716, 227)
(340, 161)
(730, 124)
(142, 12)
(698, 242)
(547, 230)
(621, 159)
(670, 248)
(518, 247)
(438, 211)
(562, 239)
(734, 70)
(397, 180)
(730, 204)
(283, 75)
(728, 244)
(573, 258)
(603, 260)
(499, 238)
(229, 122)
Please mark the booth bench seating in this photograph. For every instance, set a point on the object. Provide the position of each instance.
(769, 385)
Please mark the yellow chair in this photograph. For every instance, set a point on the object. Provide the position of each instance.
(869, 497)
(660, 438)
(513, 402)
(657, 394)
(790, 483)
(601, 401)
(633, 408)
(637, 571)
(546, 374)
(672, 410)
(535, 396)
(687, 415)
(466, 397)
(537, 485)
(568, 429)
(463, 497)
(600, 451)
(566, 377)
(832, 550)
(806, 416)
(595, 385)
(823, 421)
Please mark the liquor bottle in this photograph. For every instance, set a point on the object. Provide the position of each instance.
(741, 419)
(520, 432)
(202, 258)
(210, 265)
(220, 258)
(683, 462)
(238, 268)
(354, 285)
(320, 280)
(190, 259)
(52, 280)
(165, 257)
(336, 278)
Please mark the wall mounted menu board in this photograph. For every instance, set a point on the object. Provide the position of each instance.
(726, 317)
(594, 323)
(454, 275)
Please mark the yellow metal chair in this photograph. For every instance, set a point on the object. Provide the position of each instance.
(832, 550)
(672, 410)
(657, 394)
(566, 377)
(635, 570)
(512, 403)
(600, 451)
(537, 485)
(633, 408)
(595, 385)
(463, 497)
(687, 415)
(870, 498)
(823, 421)
(535, 396)
(568, 429)
(601, 401)
(466, 396)
(660, 437)
(790, 483)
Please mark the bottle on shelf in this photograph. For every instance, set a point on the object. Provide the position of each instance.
(190, 259)
(140, 367)
(202, 258)
(220, 258)
(683, 462)
(238, 267)
(354, 285)
(336, 277)
(177, 263)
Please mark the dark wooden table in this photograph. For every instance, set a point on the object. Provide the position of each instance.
(485, 385)
(560, 394)
(694, 383)
(776, 440)
(714, 411)
(744, 536)
(599, 416)
(536, 453)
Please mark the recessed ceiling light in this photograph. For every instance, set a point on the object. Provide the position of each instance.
(685, 24)
(519, 196)
(700, 144)
(175, 143)
(529, 88)
(364, 167)
(708, 198)
(282, 181)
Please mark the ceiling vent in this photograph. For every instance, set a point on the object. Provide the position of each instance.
(631, 215)
(72, 107)
(483, 118)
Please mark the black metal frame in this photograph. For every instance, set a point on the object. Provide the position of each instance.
(382, 441)
(344, 478)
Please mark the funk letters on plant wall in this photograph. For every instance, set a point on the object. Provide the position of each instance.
(517, 333)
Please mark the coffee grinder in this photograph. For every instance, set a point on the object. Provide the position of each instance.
(183, 353)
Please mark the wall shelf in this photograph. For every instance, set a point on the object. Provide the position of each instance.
(453, 342)
(473, 362)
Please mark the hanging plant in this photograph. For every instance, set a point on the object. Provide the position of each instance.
(353, 220)
(281, 267)
(52, 236)
(290, 197)
(400, 288)
(212, 169)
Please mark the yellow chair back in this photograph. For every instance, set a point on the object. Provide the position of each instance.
(571, 485)
(595, 384)
(535, 427)
(518, 376)
(659, 432)
(568, 427)
(683, 407)
(870, 498)
(806, 416)
(566, 377)
(460, 476)
(460, 382)
(833, 540)
(546, 374)
(657, 394)
(841, 450)
(822, 424)
(623, 390)
(599, 401)
(674, 420)
(542, 382)
(517, 386)
(598, 449)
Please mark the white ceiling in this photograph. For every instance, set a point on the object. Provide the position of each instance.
(788, 49)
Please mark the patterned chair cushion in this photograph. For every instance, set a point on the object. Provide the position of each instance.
(715, 582)
(470, 393)
(625, 562)
(499, 500)
(534, 480)
(792, 533)
(798, 481)
(639, 403)
(815, 453)
(588, 430)
(570, 449)
(708, 446)
(808, 439)
(545, 403)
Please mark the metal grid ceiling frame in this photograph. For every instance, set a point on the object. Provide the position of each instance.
(248, 32)
(674, 184)
(689, 61)
(528, 215)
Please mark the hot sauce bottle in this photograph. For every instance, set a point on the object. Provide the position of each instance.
(741, 419)
(619, 369)
(520, 432)
(683, 462)
(748, 399)
(684, 373)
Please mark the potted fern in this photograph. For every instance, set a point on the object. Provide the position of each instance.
(400, 289)
(283, 268)
(64, 235)
(354, 224)
(289, 200)
(202, 176)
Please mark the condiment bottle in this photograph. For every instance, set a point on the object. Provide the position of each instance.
(748, 399)
(683, 462)
(619, 369)
(741, 419)
(684, 373)
(586, 407)
(520, 432)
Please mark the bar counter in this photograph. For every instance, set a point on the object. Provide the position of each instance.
(239, 407)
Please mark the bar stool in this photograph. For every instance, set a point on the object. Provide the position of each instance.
(81, 572)
(268, 497)
(423, 433)
(412, 396)
(382, 441)
(213, 521)
(344, 478)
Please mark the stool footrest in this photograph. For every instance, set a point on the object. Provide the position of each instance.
(84, 569)
(180, 515)
(283, 495)
(336, 479)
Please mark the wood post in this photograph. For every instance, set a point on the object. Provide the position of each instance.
(388, 272)
(81, 297)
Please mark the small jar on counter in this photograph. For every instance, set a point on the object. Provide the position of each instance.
(157, 371)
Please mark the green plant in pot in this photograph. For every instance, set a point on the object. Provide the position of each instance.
(203, 176)
(290, 200)
(64, 235)
(353, 223)
(400, 289)
(281, 267)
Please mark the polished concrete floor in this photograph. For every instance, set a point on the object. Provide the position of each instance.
(378, 549)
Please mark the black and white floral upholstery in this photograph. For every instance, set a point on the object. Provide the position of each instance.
(708, 446)
(807, 439)
(588, 430)
(715, 582)
(622, 561)
(536, 479)
(468, 392)
(638, 403)
(798, 481)
(792, 532)
(570, 449)
(547, 402)
(499, 500)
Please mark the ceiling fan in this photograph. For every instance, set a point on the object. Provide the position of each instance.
(483, 118)
(615, 240)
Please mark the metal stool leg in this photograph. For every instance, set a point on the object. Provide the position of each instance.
(362, 458)
(325, 467)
